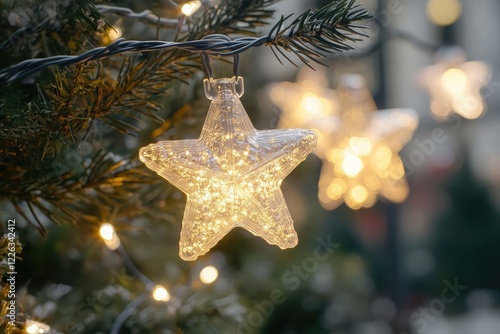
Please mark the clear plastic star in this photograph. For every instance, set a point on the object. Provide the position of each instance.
(307, 103)
(455, 85)
(362, 161)
(231, 174)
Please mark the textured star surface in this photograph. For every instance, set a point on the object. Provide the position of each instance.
(231, 174)
(362, 161)
(307, 103)
(455, 86)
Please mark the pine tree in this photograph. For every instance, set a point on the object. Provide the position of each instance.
(74, 110)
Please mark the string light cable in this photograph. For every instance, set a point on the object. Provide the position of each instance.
(154, 291)
(313, 35)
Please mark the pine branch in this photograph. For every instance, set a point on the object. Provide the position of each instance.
(75, 194)
(142, 80)
(317, 34)
(63, 114)
(313, 35)
(47, 28)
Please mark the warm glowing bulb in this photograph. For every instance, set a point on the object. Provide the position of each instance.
(311, 103)
(35, 327)
(454, 81)
(109, 236)
(160, 294)
(209, 274)
(444, 12)
(360, 145)
(359, 194)
(352, 165)
(190, 7)
(107, 231)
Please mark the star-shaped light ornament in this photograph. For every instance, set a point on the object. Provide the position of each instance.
(455, 85)
(307, 103)
(362, 161)
(231, 174)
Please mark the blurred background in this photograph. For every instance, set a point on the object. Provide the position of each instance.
(428, 265)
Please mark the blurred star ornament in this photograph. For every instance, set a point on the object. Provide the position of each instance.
(455, 85)
(231, 174)
(362, 162)
(307, 103)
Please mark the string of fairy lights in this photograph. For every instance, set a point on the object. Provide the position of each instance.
(157, 292)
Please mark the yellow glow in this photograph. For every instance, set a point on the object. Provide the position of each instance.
(35, 327)
(109, 236)
(359, 168)
(209, 274)
(311, 103)
(307, 104)
(360, 145)
(160, 294)
(359, 194)
(444, 12)
(114, 33)
(336, 189)
(352, 165)
(470, 107)
(383, 157)
(397, 170)
(456, 90)
(190, 7)
(454, 81)
(232, 175)
(107, 231)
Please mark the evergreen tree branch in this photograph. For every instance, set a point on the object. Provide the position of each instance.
(62, 117)
(46, 28)
(313, 35)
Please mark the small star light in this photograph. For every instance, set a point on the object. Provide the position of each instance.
(455, 85)
(231, 174)
(362, 161)
(308, 103)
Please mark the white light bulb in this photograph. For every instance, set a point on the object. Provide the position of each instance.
(189, 8)
(209, 274)
(454, 81)
(109, 236)
(35, 327)
(352, 165)
(160, 294)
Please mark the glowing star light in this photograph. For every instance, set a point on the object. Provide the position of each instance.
(308, 103)
(231, 174)
(455, 85)
(362, 162)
